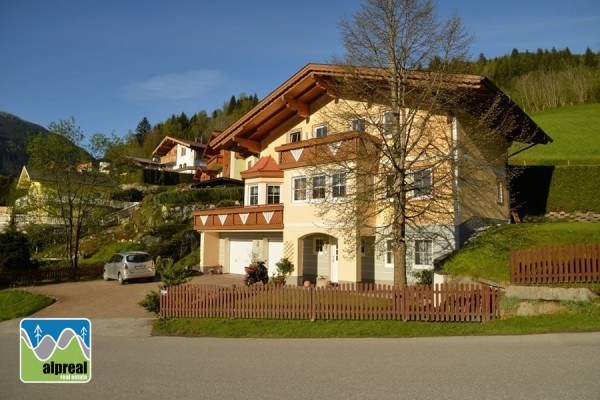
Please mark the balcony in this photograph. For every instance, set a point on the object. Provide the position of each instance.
(330, 149)
(249, 218)
(168, 159)
(215, 163)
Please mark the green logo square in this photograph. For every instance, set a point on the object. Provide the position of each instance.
(56, 350)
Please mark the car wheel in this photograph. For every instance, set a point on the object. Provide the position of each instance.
(120, 279)
(105, 275)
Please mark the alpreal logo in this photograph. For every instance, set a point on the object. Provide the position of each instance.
(56, 350)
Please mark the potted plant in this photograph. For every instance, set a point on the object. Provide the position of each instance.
(284, 269)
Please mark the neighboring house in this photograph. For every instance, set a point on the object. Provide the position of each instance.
(279, 219)
(180, 155)
(36, 184)
(141, 162)
(222, 167)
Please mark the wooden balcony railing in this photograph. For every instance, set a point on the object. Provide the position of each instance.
(330, 149)
(215, 163)
(168, 159)
(262, 217)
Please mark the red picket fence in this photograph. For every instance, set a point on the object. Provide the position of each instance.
(50, 274)
(344, 301)
(556, 264)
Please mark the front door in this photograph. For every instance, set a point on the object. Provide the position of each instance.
(334, 261)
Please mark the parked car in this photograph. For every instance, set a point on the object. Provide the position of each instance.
(129, 265)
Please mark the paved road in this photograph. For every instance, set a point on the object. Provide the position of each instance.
(128, 363)
(541, 367)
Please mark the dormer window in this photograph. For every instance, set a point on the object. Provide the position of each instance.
(320, 131)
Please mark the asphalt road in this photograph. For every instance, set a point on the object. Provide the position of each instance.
(554, 366)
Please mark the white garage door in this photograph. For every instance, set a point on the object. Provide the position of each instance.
(275, 254)
(240, 255)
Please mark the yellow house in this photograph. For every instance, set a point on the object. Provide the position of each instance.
(286, 134)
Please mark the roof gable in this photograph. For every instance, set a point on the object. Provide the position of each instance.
(312, 87)
(169, 142)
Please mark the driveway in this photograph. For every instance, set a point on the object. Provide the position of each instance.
(113, 308)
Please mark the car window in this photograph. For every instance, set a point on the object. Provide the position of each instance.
(138, 258)
(115, 258)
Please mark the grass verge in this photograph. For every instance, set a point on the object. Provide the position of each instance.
(19, 303)
(576, 317)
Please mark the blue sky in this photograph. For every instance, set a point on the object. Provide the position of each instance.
(110, 63)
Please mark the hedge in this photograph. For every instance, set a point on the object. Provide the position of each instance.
(205, 196)
(538, 190)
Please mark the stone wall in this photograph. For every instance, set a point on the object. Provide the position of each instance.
(574, 216)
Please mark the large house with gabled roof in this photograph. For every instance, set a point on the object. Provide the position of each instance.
(279, 219)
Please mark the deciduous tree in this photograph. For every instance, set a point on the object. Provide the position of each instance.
(403, 175)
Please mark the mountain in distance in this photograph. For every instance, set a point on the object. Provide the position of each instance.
(14, 134)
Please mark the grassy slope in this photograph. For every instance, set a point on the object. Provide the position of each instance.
(488, 256)
(576, 134)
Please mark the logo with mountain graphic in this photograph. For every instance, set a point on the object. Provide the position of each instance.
(56, 350)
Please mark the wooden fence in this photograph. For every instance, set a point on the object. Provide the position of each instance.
(50, 274)
(556, 264)
(346, 301)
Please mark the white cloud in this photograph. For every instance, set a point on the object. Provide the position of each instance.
(175, 86)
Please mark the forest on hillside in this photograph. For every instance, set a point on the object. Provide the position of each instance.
(544, 79)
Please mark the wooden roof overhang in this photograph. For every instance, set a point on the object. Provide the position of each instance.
(316, 84)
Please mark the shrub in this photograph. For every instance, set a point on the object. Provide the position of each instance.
(127, 195)
(151, 301)
(423, 276)
(171, 274)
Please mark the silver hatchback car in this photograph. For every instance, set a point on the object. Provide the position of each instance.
(129, 265)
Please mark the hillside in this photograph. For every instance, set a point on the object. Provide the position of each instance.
(576, 134)
(14, 133)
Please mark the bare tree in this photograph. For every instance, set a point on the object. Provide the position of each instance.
(401, 160)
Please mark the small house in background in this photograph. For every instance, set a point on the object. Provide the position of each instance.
(180, 155)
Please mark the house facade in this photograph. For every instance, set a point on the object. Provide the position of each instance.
(305, 124)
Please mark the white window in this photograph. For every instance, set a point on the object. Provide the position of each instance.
(423, 252)
(318, 187)
(388, 121)
(499, 192)
(320, 131)
(389, 253)
(253, 195)
(422, 183)
(183, 151)
(295, 136)
(319, 246)
(299, 188)
(338, 185)
(273, 196)
(359, 125)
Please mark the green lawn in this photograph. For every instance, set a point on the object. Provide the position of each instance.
(489, 255)
(576, 317)
(19, 303)
(576, 134)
